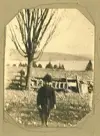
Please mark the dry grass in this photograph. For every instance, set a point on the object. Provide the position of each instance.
(22, 107)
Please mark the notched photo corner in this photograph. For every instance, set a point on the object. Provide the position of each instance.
(49, 68)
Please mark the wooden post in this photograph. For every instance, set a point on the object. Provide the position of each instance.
(90, 92)
(63, 85)
(78, 84)
(55, 85)
(66, 81)
(91, 100)
(59, 84)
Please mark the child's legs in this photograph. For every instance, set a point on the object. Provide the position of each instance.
(41, 114)
(47, 113)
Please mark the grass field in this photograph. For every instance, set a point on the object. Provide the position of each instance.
(71, 108)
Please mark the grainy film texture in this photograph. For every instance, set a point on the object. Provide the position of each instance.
(49, 67)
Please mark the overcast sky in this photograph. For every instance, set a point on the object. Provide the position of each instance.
(74, 35)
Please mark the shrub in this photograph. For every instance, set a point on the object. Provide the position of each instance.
(34, 65)
(62, 67)
(89, 66)
(55, 66)
(39, 66)
(49, 65)
(20, 64)
(25, 64)
(14, 65)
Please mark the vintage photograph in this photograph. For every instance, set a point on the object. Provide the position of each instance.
(49, 67)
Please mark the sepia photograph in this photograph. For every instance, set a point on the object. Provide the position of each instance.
(49, 67)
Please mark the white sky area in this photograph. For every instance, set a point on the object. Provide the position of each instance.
(74, 35)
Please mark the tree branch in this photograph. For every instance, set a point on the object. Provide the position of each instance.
(22, 27)
(51, 33)
(15, 41)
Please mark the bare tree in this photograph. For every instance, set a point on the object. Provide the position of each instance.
(32, 26)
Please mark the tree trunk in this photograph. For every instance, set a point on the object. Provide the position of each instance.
(29, 67)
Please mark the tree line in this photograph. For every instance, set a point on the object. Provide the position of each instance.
(49, 65)
(89, 66)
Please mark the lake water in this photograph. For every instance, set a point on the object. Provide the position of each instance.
(69, 65)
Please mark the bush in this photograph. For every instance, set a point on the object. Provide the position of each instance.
(62, 67)
(89, 66)
(14, 65)
(20, 64)
(39, 66)
(25, 64)
(49, 65)
(34, 65)
(55, 66)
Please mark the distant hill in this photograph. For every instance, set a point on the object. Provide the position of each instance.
(62, 56)
(14, 55)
